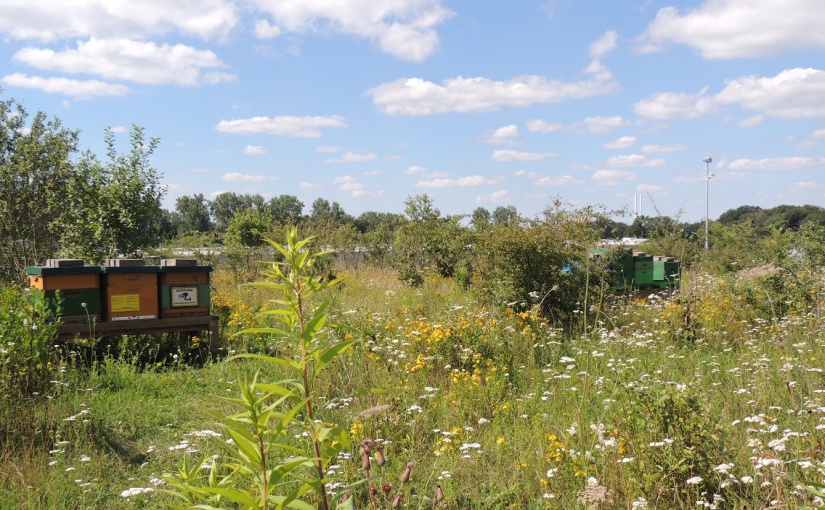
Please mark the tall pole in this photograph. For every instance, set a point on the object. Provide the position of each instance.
(708, 176)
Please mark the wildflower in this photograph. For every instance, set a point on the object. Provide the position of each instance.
(501, 441)
(694, 481)
(136, 491)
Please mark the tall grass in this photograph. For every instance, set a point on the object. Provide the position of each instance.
(703, 399)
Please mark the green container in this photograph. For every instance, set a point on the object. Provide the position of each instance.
(75, 291)
(643, 276)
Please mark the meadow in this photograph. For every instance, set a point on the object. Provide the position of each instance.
(709, 397)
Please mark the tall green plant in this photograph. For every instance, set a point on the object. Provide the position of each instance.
(259, 471)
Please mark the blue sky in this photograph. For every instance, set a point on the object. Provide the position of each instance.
(477, 103)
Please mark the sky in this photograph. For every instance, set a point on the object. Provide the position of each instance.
(476, 103)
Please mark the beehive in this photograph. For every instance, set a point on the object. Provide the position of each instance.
(72, 290)
(130, 290)
(184, 288)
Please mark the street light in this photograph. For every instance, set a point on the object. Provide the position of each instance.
(707, 176)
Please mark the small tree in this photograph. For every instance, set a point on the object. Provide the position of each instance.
(247, 475)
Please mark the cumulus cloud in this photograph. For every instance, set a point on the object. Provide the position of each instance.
(133, 19)
(612, 177)
(634, 161)
(651, 188)
(412, 170)
(308, 186)
(564, 180)
(787, 163)
(543, 126)
(473, 180)
(621, 143)
(301, 127)
(351, 185)
(813, 139)
(791, 94)
(265, 30)
(505, 135)
(123, 59)
(254, 150)
(351, 157)
(404, 29)
(598, 125)
(416, 96)
(726, 29)
(604, 44)
(78, 89)
(505, 155)
(496, 197)
(239, 177)
(654, 148)
(675, 105)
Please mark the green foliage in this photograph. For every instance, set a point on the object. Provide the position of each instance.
(191, 215)
(539, 262)
(260, 471)
(27, 354)
(116, 205)
(248, 228)
(35, 187)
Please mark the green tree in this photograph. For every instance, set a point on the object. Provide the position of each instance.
(248, 228)
(116, 205)
(35, 182)
(286, 210)
(192, 214)
(481, 219)
(505, 215)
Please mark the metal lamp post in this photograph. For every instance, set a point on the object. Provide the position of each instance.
(707, 176)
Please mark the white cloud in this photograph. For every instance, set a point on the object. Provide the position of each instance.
(473, 180)
(133, 19)
(813, 139)
(351, 185)
(503, 135)
(634, 161)
(123, 59)
(675, 105)
(236, 176)
(564, 180)
(308, 186)
(499, 196)
(791, 94)
(79, 89)
(651, 188)
(254, 150)
(725, 29)
(542, 126)
(803, 186)
(788, 163)
(301, 127)
(265, 30)
(404, 29)
(505, 155)
(351, 157)
(604, 44)
(412, 170)
(416, 96)
(653, 148)
(118, 129)
(621, 143)
(611, 177)
(752, 121)
(598, 125)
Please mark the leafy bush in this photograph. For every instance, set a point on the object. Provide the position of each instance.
(27, 353)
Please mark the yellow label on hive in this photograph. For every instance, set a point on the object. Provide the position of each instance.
(125, 303)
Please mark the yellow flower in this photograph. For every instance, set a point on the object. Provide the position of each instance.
(501, 441)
